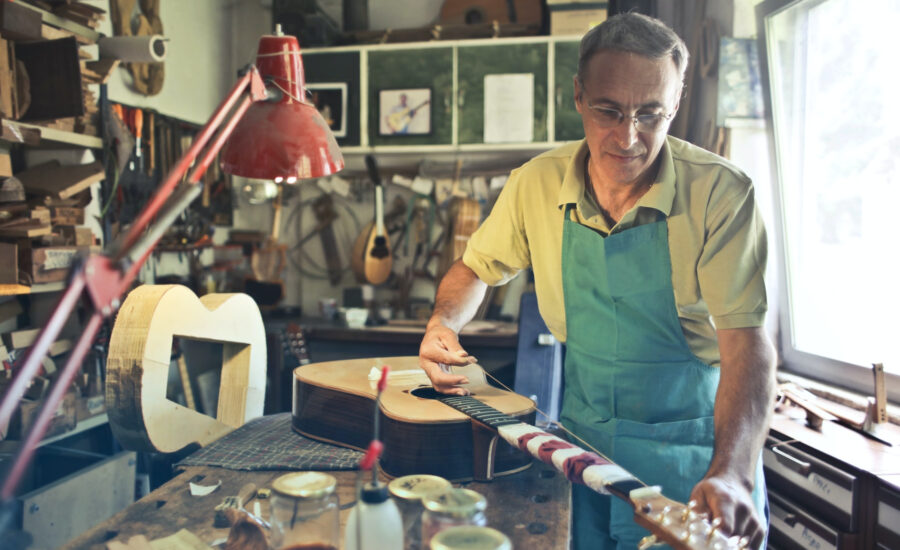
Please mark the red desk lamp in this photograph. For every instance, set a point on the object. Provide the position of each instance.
(269, 131)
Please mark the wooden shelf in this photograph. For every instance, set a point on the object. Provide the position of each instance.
(10, 445)
(11, 290)
(63, 23)
(59, 137)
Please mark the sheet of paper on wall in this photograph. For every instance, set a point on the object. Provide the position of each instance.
(509, 108)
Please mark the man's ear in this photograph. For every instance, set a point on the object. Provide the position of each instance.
(579, 92)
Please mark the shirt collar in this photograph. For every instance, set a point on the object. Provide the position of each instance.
(660, 196)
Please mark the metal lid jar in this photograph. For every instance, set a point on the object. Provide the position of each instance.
(469, 537)
(451, 508)
(305, 511)
(408, 492)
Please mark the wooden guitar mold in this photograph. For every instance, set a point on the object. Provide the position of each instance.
(137, 368)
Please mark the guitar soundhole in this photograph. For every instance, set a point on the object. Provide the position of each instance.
(428, 392)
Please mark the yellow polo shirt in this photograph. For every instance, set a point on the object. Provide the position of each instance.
(717, 241)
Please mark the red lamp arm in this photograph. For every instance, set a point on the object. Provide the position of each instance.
(107, 277)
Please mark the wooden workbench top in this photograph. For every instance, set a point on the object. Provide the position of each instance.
(530, 507)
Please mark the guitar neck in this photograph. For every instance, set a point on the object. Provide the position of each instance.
(670, 521)
(379, 210)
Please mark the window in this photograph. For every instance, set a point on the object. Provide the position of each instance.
(833, 82)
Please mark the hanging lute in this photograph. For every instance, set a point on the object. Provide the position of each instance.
(372, 258)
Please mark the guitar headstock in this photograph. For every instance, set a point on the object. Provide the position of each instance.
(677, 524)
(295, 344)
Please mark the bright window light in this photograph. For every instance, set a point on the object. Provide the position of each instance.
(834, 83)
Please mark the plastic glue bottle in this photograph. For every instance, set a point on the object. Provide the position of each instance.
(375, 522)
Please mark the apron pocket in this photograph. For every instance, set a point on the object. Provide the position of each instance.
(674, 455)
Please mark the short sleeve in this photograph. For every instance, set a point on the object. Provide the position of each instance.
(732, 265)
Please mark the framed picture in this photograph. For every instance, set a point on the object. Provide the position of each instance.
(404, 112)
(330, 98)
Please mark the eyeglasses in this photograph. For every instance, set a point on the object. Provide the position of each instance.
(648, 123)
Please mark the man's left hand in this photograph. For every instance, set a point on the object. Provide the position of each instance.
(729, 500)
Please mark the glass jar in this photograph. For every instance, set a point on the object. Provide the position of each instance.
(304, 512)
(408, 492)
(449, 509)
(469, 537)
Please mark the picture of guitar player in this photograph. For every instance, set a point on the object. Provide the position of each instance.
(405, 112)
(649, 256)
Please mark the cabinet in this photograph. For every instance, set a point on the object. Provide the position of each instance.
(826, 489)
(454, 72)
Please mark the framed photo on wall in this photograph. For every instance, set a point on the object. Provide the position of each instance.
(330, 98)
(404, 112)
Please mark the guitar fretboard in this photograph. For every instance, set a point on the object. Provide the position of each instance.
(479, 411)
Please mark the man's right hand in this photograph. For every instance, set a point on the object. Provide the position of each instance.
(439, 350)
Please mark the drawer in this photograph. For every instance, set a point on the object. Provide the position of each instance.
(829, 493)
(790, 528)
(887, 531)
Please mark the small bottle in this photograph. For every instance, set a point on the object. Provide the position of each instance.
(470, 537)
(451, 508)
(305, 512)
(408, 492)
(374, 522)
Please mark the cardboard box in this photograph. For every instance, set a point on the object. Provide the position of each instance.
(87, 407)
(64, 419)
(49, 264)
(575, 19)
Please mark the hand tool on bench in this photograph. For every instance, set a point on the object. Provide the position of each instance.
(235, 502)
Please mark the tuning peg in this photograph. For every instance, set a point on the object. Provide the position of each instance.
(648, 542)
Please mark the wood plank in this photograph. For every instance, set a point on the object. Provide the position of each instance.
(9, 266)
(140, 354)
(59, 181)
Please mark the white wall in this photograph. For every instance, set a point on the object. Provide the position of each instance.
(198, 63)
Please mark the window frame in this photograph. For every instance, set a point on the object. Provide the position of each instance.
(853, 377)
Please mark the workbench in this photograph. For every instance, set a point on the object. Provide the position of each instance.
(531, 507)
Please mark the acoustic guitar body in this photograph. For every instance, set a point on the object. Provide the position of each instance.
(334, 402)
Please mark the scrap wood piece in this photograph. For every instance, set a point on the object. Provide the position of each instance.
(16, 133)
(139, 357)
(98, 72)
(55, 180)
(25, 229)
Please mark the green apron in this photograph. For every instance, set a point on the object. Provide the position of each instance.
(633, 388)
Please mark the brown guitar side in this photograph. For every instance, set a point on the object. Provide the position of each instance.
(334, 402)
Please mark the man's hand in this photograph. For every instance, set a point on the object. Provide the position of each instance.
(729, 500)
(439, 349)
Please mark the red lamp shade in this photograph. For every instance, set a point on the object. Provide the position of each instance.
(284, 139)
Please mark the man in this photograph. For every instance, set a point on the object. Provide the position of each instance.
(648, 256)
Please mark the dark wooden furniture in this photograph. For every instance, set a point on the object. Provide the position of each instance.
(830, 489)
(531, 507)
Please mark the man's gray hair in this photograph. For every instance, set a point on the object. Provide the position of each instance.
(634, 33)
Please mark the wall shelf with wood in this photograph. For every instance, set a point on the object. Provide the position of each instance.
(13, 290)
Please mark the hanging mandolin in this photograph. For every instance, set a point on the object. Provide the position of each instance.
(372, 258)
